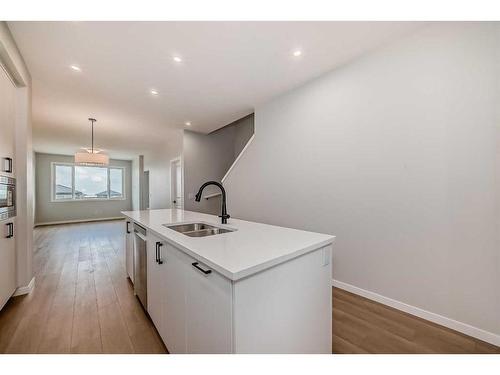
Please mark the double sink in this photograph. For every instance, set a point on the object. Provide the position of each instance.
(198, 229)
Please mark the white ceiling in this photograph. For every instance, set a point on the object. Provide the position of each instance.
(228, 69)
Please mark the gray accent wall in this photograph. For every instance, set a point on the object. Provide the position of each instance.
(395, 153)
(243, 130)
(48, 212)
(208, 157)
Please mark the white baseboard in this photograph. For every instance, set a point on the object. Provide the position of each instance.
(464, 328)
(25, 289)
(79, 221)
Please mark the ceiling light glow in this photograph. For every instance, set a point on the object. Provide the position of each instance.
(154, 92)
(297, 53)
(187, 123)
(177, 59)
(76, 68)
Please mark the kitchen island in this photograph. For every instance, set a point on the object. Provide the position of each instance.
(254, 288)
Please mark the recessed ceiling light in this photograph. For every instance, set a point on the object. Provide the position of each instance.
(76, 68)
(154, 92)
(177, 59)
(187, 123)
(297, 53)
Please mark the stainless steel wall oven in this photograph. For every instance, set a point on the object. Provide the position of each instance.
(7, 197)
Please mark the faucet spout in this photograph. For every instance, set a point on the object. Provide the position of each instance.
(224, 216)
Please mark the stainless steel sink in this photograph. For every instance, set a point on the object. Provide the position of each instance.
(206, 232)
(182, 228)
(198, 229)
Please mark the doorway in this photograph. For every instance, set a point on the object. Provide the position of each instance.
(176, 184)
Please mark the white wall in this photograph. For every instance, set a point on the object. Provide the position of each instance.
(157, 162)
(25, 187)
(12, 60)
(396, 155)
(137, 169)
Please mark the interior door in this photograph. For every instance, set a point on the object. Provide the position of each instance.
(176, 184)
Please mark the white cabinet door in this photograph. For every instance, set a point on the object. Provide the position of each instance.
(208, 310)
(155, 282)
(129, 249)
(7, 261)
(191, 309)
(7, 119)
(174, 324)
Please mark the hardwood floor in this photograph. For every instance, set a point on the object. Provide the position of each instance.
(83, 303)
(364, 326)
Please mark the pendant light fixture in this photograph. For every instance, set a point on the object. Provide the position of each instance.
(91, 157)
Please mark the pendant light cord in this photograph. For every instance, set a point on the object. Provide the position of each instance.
(92, 120)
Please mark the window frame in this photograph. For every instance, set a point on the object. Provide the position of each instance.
(73, 199)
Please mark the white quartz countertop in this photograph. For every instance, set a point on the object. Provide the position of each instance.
(251, 248)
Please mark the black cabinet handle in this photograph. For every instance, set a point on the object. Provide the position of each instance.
(10, 230)
(128, 230)
(195, 265)
(158, 251)
(9, 166)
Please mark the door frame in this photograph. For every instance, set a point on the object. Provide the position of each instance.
(173, 177)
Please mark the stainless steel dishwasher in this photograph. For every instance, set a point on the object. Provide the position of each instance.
(140, 265)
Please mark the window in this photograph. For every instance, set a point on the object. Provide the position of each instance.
(91, 182)
(63, 182)
(115, 183)
(75, 182)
